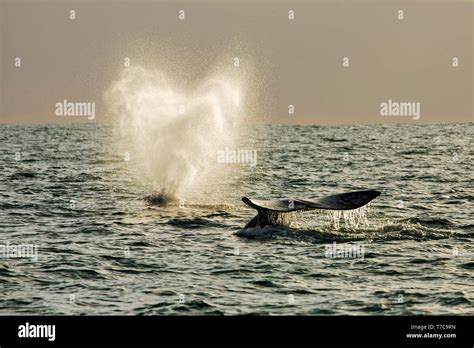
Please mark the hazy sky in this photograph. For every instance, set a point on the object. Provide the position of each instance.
(298, 62)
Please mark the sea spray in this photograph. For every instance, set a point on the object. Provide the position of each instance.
(173, 134)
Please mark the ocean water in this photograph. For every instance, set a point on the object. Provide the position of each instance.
(102, 249)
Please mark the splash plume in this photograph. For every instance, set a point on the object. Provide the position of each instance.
(175, 134)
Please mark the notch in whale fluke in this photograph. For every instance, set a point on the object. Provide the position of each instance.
(268, 209)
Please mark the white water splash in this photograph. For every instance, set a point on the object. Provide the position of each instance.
(173, 134)
(334, 219)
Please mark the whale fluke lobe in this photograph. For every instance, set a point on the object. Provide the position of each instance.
(274, 212)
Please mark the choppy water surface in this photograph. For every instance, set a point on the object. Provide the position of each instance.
(68, 190)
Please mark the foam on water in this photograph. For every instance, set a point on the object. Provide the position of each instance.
(173, 134)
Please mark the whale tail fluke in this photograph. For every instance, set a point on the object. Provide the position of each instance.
(272, 212)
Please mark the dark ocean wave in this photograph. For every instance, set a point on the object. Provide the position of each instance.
(192, 223)
(22, 175)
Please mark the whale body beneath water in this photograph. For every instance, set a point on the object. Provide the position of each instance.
(271, 212)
